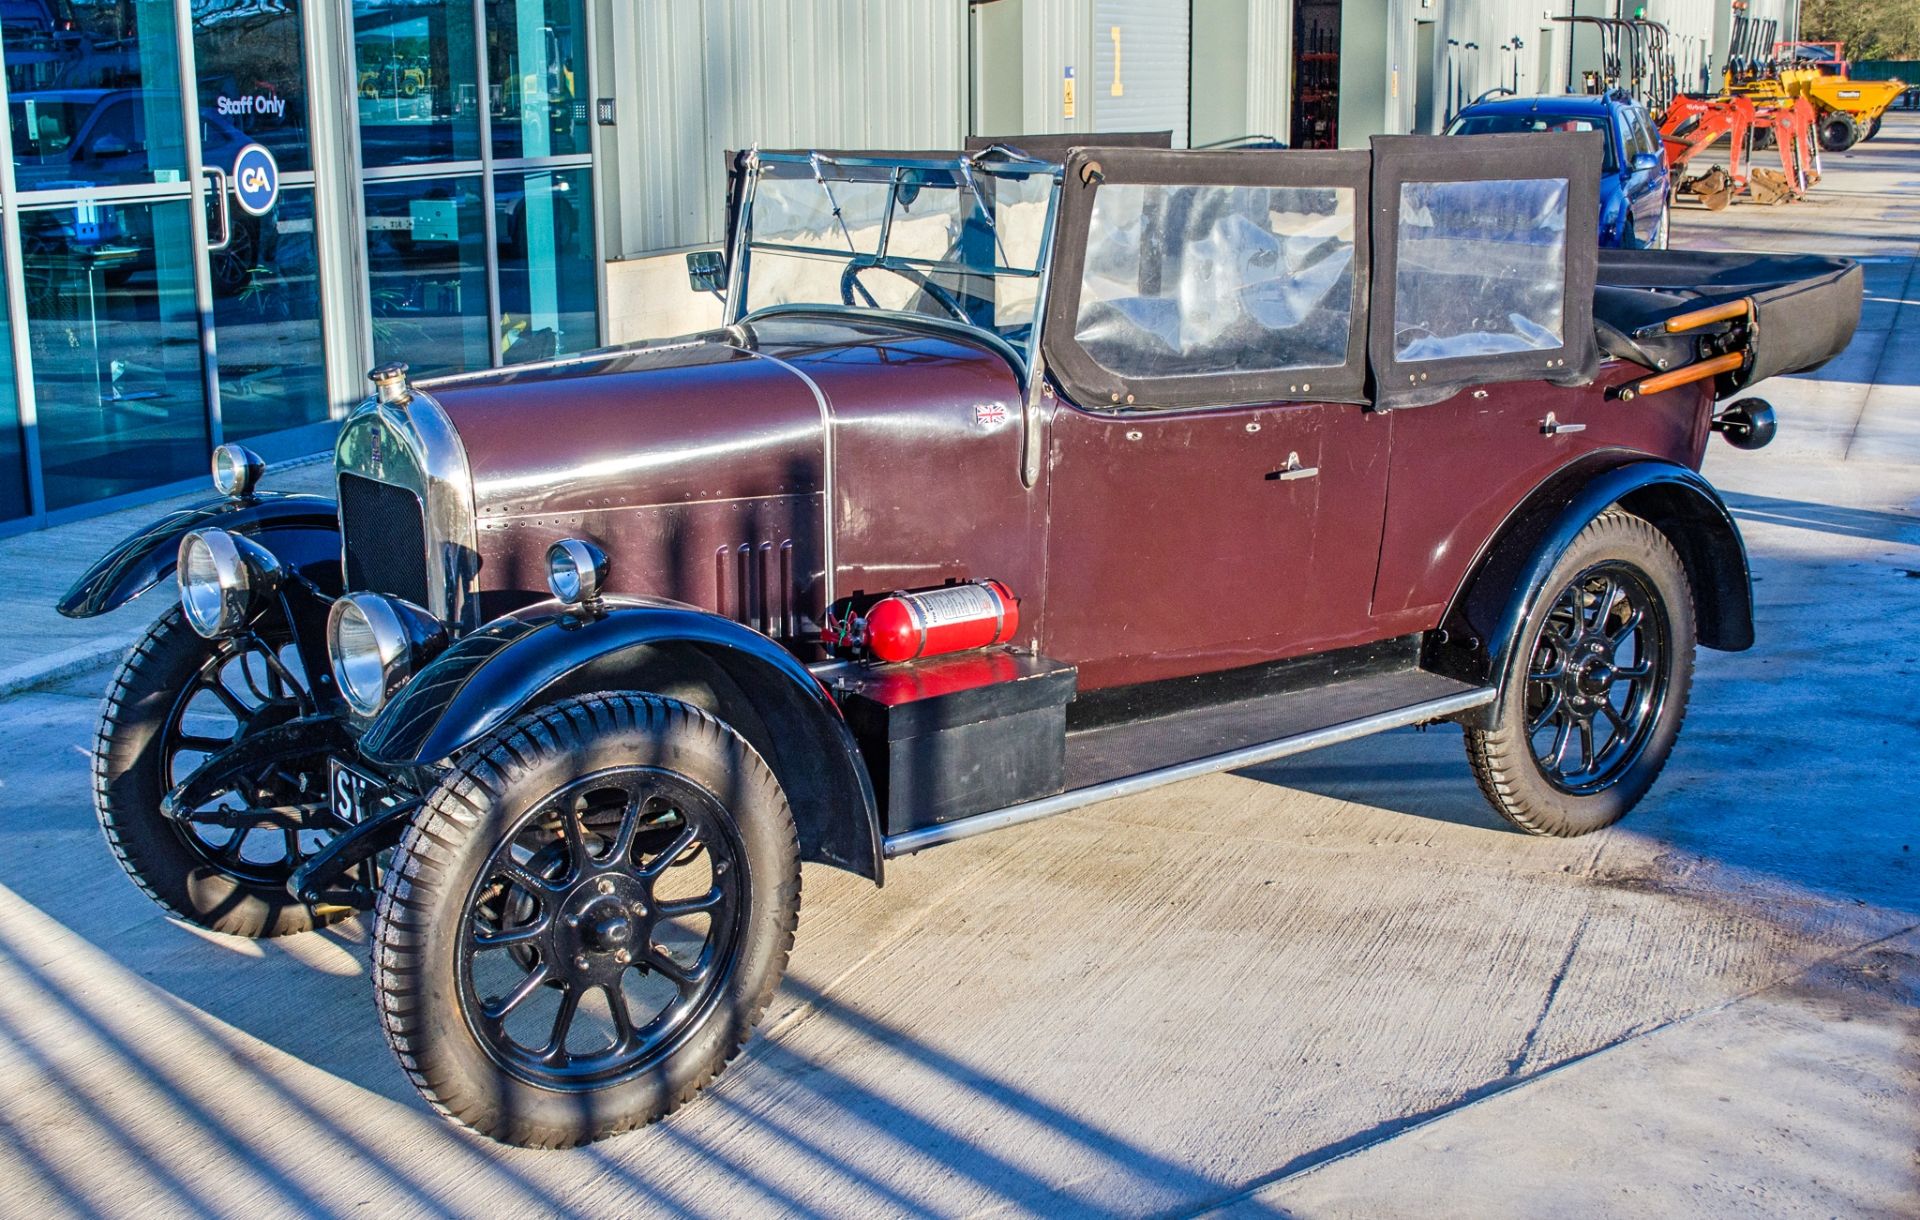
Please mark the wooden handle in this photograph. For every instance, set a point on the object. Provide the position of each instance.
(1741, 308)
(1692, 372)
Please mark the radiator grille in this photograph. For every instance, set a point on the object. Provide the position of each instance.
(385, 539)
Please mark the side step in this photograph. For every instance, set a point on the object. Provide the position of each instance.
(1226, 737)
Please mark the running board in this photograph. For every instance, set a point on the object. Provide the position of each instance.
(1231, 760)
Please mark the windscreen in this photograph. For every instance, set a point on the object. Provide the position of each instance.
(1504, 123)
(956, 241)
(1481, 268)
(1184, 280)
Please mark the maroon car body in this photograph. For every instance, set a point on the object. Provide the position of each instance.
(1271, 450)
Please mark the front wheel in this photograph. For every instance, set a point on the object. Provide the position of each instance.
(1595, 686)
(586, 919)
(178, 703)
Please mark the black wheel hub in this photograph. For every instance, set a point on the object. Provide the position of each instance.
(1597, 678)
(618, 903)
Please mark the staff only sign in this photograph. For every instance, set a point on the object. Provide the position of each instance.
(256, 180)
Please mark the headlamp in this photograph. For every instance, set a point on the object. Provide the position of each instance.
(219, 574)
(575, 571)
(236, 469)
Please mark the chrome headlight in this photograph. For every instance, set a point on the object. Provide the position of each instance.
(236, 469)
(575, 571)
(216, 583)
(375, 644)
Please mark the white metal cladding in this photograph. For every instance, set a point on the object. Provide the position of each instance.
(695, 79)
(1474, 50)
(1140, 67)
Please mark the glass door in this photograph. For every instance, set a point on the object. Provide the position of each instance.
(158, 312)
(263, 266)
(100, 182)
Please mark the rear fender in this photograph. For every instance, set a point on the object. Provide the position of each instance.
(546, 652)
(1483, 623)
(302, 531)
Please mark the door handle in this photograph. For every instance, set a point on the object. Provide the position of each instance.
(1553, 427)
(219, 177)
(1292, 470)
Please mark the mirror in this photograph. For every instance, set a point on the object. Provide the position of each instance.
(706, 271)
(1645, 163)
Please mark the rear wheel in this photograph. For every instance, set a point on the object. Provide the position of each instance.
(1664, 239)
(586, 920)
(1873, 128)
(1838, 131)
(1596, 684)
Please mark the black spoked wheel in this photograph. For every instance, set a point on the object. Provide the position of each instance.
(586, 919)
(178, 704)
(1596, 684)
(601, 928)
(1597, 680)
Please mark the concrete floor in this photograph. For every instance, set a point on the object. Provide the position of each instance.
(1330, 987)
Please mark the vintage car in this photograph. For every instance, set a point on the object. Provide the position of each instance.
(1013, 482)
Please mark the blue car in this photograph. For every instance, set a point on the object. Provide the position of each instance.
(1636, 209)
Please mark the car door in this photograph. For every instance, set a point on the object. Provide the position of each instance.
(1189, 541)
(1216, 483)
(1646, 185)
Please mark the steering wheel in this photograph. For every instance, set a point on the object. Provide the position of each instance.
(850, 284)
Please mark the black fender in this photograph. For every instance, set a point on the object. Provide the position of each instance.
(546, 652)
(302, 530)
(1483, 622)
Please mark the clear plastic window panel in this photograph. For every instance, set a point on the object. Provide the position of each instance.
(1190, 280)
(1482, 268)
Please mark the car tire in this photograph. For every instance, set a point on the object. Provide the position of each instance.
(1838, 131)
(1565, 668)
(512, 893)
(135, 751)
(1665, 240)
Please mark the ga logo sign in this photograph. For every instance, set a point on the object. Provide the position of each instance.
(256, 180)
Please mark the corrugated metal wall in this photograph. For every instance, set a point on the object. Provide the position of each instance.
(1475, 49)
(695, 78)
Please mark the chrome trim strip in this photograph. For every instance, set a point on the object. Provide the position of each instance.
(452, 514)
(827, 510)
(1032, 811)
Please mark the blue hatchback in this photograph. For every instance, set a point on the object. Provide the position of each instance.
(1635, 197)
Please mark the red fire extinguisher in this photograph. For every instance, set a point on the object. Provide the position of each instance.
(925, 623)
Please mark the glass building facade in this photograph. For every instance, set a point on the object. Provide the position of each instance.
(435, 205)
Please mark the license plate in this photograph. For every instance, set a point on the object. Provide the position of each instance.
(353, 792)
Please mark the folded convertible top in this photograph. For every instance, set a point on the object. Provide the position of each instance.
(1805, 306)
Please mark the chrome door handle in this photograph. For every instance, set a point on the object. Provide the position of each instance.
(1553, 427)
(226, 217)
(1293, 470)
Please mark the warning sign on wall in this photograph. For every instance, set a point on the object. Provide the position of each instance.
(1066, 94)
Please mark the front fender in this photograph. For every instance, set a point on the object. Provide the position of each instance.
(1483, 623)
(302, 530)
(513, 663)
